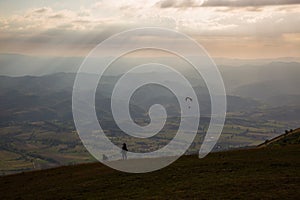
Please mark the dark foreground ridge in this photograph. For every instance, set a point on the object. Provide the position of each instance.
(265, 173)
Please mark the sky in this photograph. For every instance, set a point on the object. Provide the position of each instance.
(225, 28)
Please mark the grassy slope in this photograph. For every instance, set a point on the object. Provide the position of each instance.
(292, 137)
(245, 174)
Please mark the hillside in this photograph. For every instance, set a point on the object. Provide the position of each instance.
(37, 129)
(289, 138)
(242, 174)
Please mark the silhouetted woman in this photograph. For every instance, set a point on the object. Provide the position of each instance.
(124, 151)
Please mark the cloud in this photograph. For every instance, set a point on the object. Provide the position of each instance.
(179, 3)
(46, 29)
(248, 3)
(57, 16)
(42, 10)
(224, 3)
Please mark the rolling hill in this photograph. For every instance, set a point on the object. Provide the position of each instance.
(291, 137)
(241, 174)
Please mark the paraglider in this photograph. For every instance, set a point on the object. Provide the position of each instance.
(190, 99)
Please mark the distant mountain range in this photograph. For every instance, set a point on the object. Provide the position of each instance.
(22, 65)
(273, 88)
(271, 81)
(31, 98)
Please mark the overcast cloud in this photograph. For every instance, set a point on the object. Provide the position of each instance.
(224, 3)
(273, 30)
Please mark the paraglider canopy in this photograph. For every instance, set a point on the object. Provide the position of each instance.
(188, 98)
